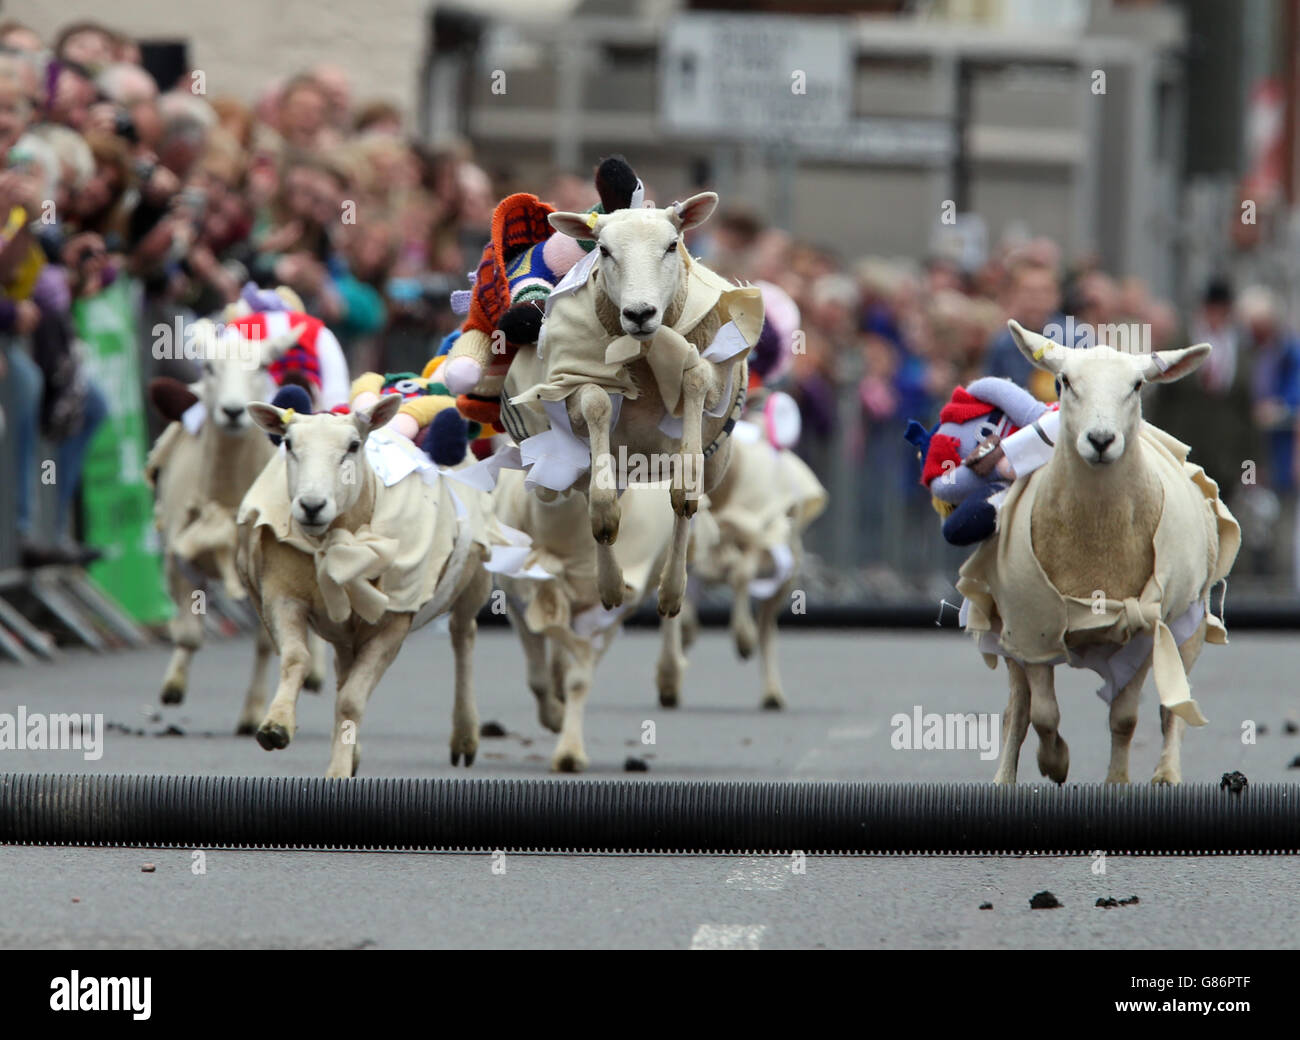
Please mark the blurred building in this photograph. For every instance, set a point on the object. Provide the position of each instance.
(1063, 119)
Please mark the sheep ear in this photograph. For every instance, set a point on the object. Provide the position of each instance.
(378, 414)
(694, 211)
(577, 225)
(268, 417)
(1165, 366)
(1039, 351)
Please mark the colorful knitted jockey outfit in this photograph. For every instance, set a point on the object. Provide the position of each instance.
(988, 407)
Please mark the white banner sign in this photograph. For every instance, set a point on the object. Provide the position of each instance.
(756, 76)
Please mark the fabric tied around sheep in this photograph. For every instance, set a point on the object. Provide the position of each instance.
(1108, 636)
(347, 563)
(577, 349)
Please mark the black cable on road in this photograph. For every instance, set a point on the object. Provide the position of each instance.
(576, 815)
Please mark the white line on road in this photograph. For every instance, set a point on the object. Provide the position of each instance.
(728, 936)
(767, 874)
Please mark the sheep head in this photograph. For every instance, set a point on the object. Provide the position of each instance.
(235, 371)
(642, 260)
(1101, 389)
(324, 462)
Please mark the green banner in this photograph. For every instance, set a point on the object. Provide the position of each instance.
(118, 501)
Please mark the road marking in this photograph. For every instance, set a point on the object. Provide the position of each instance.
(753, 875)
(812, 760)
(728, 936)
(860, 731)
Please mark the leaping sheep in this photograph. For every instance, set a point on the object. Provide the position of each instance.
(643, 353)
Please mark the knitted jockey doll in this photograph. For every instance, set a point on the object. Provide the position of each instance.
(315, 362)
(428, 413)
(989, 433)
(522, 263)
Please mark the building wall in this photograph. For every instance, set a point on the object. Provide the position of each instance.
(241, 45)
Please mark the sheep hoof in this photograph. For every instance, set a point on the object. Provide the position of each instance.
(459, 751)
(1054, 764)
(273, 737)
(173, 693)
(356, 759)
(245, 728)
(773, 701)
(1166, 777)
(550, 713)
(569, 762)
(668, 698)
(745, 645)
(313, 683)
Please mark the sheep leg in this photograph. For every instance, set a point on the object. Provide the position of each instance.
(602, 492)
(609, 577)
(743, 630)
(1169, 770)
(688, 482)
(550, 710)
(186, 631)
(464, 628)
(672, 662)
(579, 660)
(315, 680)
(768, 611)
(672, 582)
(690, 624)
(286, 621)
(1045, 714)
(1015, 724)
(1123, 721)
(255, 699)
(373, 656)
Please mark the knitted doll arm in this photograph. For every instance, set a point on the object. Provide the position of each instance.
(955, 484)
(1017, 403)
(1031, 446)
(423, 409)
(366, 383)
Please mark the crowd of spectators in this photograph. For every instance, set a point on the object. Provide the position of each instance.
(106, 174)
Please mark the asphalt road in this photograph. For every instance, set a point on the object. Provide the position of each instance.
(843, 690)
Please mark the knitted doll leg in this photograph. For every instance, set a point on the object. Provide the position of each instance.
(974, 519)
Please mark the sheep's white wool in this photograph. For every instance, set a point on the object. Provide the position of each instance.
(579, 350)
(195, 526)
(1003, 579)
(772, 498)
(394, 562)
(561, 593)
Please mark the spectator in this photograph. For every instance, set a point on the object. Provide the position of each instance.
(1032, 296)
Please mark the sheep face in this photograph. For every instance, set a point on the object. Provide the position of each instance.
(642, 260)
(1101, 389)
(235, 373)
(324, 460)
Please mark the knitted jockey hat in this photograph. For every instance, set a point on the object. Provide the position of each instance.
(962, 407)
(943, 455)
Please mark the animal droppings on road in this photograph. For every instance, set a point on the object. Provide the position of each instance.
(1234, 782)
